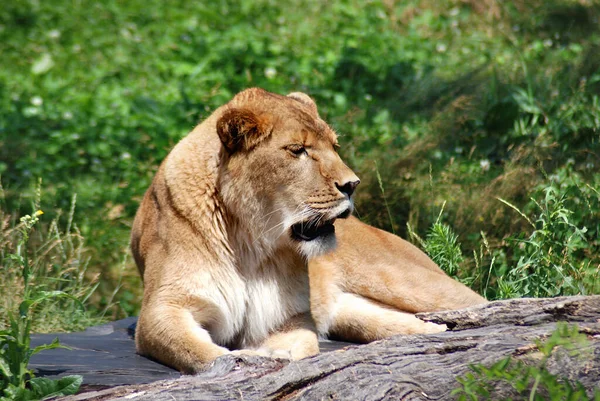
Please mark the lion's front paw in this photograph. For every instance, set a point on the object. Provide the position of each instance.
(266, 352)
(246, 351)
(432, 328)
(275, 353)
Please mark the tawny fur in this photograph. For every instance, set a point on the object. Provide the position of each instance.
(212, 237)
(371, 285)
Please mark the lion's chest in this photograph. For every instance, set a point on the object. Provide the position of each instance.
(267, 295)
(269, 303)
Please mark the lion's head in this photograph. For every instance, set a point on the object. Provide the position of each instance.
(280, 174)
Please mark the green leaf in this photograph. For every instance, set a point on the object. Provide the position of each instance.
(24, 307)
(44, 387)
(5, 369)
(14, 393)
(55, 344)
(46, 295)
(18, 258)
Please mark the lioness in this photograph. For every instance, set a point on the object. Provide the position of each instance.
(223, 236)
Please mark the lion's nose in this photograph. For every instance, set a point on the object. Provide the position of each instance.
(348, 187)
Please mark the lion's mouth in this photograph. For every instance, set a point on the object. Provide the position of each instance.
(316, 228)
(310, 230)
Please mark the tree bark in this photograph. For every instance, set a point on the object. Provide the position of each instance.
(417, 367)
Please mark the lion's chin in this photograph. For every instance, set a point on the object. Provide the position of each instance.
(312, 230)
(316, 237)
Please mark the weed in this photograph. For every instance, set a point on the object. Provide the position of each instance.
(17, 382)
(554, 259)
(56, 263)
(546, 260)
(441, 244)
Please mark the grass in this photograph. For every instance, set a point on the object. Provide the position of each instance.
(459, 103)
(30, 295)
(46, 258)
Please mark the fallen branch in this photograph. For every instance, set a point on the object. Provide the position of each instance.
(405, 367)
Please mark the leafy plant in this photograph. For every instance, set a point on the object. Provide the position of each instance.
(17, 381)
(547, 264)
(528, 380)
(57, 261)
(441, 244)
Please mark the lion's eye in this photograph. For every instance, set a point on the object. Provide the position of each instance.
(297, 150)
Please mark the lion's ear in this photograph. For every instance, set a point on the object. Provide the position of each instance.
(241, 129)
(306, 100)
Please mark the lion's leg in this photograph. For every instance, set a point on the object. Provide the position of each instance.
(358, 319)
(340, 314)
(409, 287)
(296, 339)
(173, 336)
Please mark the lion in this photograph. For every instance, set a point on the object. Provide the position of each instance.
(223, 234)
(241, 212)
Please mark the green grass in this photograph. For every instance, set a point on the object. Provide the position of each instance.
(461, 103)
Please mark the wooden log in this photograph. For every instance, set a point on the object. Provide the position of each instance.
(418, 367)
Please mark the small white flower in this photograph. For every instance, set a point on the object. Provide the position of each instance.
(67, 115)
(548, 42)
(270, 72)
(440, 47)
(368, 97)
(37, 101)
(458, 149)
(454, 12)
(31, 111)
(484, 164)
(125, 156)
(125, 33)
(437, 154)
(54, 34)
